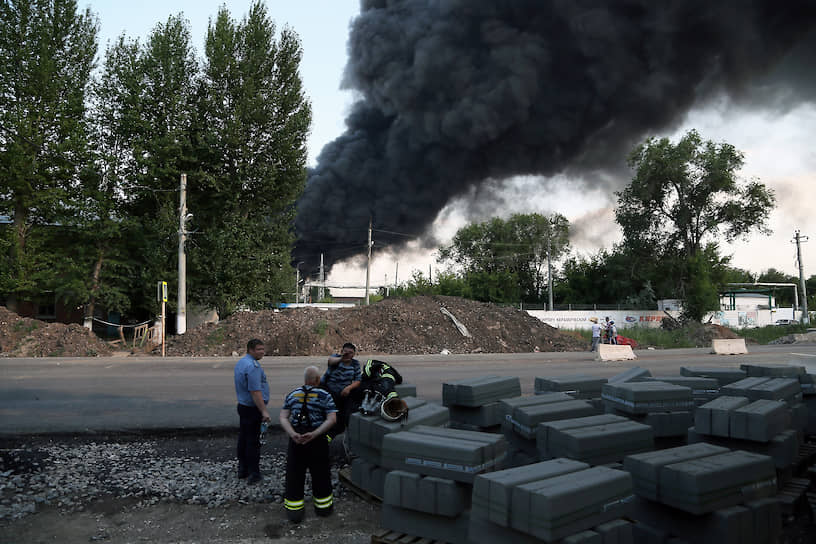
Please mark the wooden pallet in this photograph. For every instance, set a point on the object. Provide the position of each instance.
(792, 497)
(344, 474)
(392, 537)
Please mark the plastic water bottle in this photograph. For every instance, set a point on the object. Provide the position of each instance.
(262, 436)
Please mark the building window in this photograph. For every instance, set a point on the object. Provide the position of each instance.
(47, 309)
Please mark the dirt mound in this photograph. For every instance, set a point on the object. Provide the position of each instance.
(399, 325)
(26, 337)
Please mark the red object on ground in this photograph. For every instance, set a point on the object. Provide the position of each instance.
(623, 341)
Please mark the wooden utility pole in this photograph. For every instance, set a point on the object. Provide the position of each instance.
(368, 263)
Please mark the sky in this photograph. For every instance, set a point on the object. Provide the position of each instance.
(778, 146)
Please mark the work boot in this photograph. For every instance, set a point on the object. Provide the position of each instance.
(295, 516)
(324, 512)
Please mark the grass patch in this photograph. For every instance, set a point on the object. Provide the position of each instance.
(763, 335)
(216, 337)
(321, 327)
(22, 326)
(648, 337)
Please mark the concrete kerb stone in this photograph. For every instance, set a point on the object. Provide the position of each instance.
(493, 492)
(645, 467)
(544, 429)
(787, 389)
(701, 388)
(579, 386)
(782, 448)
(729, 346)
(475, 392)
(617, 531)
(564, 505)
(526, 418)
(724, 376)
(483, 416)
(584, 537)
(446, 453)
(714, 418)
(759, 421)
(601, 444)
(718, 481)
(645, 397)
(633, 374)
(773, 370)
(613, 352)
(406, 390)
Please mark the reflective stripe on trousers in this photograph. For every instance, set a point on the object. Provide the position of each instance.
(325, 502)
(294, 505)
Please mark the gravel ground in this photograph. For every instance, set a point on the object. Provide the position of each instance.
(167, 488)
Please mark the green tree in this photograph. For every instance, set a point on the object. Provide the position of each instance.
(47, 52)
(250, 133)
(493, 252)
(683, 196)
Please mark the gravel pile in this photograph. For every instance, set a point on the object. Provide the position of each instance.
(70, 477)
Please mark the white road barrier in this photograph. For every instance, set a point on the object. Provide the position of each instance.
(612, 352)
(723, 346)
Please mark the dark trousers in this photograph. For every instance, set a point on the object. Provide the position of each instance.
(249, 444)
(345, 407)
(313, 457)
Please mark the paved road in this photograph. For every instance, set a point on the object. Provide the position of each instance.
(141, 393)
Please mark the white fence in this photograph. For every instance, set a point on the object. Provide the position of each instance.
(580, 319)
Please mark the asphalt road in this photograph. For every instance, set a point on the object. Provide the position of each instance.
(74, 395)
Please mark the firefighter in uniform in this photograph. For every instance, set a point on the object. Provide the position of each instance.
(308, 413)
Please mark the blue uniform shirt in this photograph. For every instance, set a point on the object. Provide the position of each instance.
(320, 405)
(250, 376)
(339, 376)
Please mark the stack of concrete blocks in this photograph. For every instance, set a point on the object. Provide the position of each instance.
(801, 407)
(667, 408)
(426, 506)
(578, 386)
(724, 376)
(474, 402)
(522, 450)
(366, 433)
(704, 493)
(558, 500)
(761, 426)
(432, 472)
(597, 440)
(702, 389)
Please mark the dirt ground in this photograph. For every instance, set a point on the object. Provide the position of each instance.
(406, 326)
(111, 518)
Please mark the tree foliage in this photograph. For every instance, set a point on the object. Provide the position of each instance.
(507, 260)
(98, 160)
(683, 197)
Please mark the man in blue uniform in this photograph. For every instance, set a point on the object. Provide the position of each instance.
(342, 380)
(252, 391)
(308, 413)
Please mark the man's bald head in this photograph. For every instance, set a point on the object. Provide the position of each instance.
(311, 376)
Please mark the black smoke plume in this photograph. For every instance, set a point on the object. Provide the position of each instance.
(455, 94)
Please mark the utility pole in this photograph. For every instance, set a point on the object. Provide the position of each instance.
(549, 271)
(321, 291)
(396, 275)
(799, 239)
(297, 284)
(181, 314)
(368, 262)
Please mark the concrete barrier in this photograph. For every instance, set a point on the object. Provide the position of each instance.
(612, 352)
(728, 346)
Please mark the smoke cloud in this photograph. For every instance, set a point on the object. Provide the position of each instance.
(457, 95)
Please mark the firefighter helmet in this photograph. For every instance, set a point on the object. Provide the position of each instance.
(394, 409)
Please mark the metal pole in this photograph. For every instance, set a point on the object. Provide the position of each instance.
(549, 274)
(297, 284)
(181, 315)
(368, 262)
(396, 276)
(321, 291)
(799, 240)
